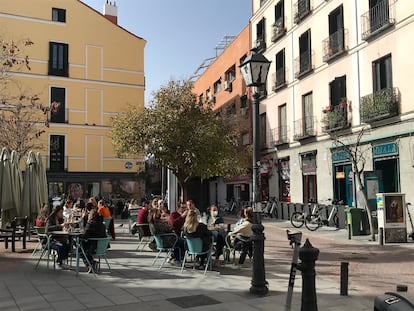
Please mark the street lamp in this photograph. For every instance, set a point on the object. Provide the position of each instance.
(254, 70)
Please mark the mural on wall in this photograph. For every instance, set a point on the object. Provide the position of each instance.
(394, 209)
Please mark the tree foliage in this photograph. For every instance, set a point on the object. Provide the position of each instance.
(22, 115)
(187, 138)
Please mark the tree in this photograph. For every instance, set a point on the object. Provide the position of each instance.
(356, 151)
(184, 136)
(22, 115)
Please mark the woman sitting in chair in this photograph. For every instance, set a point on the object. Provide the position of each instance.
(55, 223)
(94, 229)
(242, 235)
(194, 229)
(157, 226)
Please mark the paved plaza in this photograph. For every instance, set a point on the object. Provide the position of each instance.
(134, 284)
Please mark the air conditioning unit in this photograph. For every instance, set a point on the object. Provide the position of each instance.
(243, 111)
(228, 86)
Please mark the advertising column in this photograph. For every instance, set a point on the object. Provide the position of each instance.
(391, 216)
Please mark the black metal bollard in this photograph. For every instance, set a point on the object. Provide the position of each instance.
(259, 283)
(344, 278)
(308, 256)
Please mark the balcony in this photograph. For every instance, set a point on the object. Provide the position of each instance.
(302, 8)
(379, 105)
(278, 29)
(378, 18)
(278, 79)
(260, 44)
(303, 64)
(305, 128)
(334, 45)
(278, 136)
(336, 118)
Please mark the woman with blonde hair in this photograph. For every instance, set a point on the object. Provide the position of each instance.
(194, 229)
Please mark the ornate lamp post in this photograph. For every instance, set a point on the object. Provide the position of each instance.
(254, 70)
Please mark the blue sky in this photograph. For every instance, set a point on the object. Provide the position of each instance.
(180, 34)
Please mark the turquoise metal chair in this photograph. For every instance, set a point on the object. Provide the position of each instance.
(195, 247)
(143, 240)
(100, 252)
(161, 247)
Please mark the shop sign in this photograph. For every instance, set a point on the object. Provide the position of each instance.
(340, 175)
(128, 165)
(340, 156)
(387, 149)
(309, 166)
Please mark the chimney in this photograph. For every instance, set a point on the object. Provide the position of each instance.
(111, 11)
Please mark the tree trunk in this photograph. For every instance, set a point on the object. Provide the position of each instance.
(361, 192)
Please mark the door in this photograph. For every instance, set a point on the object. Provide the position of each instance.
(373, 183)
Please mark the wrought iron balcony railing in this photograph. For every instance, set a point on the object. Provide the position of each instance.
(305, 127)
(278, 136)
(379, 105)
(278, 79)
(278, 29)
(378, 18)
(334, 45)
(303, 64)
(302, 8)
(336, 118)
(260, 44)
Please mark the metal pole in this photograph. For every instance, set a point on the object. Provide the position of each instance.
(344, 278)
(295, 240)
(259, 283)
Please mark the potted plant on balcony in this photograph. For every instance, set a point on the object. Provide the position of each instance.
(327, 109)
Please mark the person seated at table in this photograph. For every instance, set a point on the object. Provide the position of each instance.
(157, 226)
(194, 229)
(240, 214)
(177, 218)
(212, 220)
(59, 243)
(213, 217)
(42, 217)
(242, 234)
(191, 206)
(68, 209)
(85, 214)
(94, 229)
(165, 213)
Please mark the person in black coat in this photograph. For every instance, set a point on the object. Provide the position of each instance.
(94, 229)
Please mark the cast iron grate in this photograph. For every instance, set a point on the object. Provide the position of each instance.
(193, 301)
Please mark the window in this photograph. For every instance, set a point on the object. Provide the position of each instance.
(245, 138)
(336, 30)
(243, 102)
(57, 153)
(231, 74)
(305, 60)
(261, 36)
(382, 73)
(57, 94)
(201, 99)
(279, 25)
(58, 59)
(308, 114)
(379, 13)
(337, 90)
(280, 69)
(59, 15)
(217, 86)
(303, 9)
(282, 124)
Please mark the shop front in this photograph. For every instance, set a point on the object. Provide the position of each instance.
(342, 177)
(309, 177)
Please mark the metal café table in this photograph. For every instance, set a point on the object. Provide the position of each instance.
(75, 236)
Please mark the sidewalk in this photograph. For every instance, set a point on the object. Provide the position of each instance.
(135, 284)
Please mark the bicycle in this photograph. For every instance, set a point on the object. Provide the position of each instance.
(297, 219)
(270, 209)
(317, 220)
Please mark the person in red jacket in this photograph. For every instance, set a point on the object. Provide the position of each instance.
(142, 218)
(177, 219)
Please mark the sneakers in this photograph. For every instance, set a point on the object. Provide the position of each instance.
(94, 267)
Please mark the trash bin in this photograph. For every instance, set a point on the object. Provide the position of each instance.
(353, 216)
(392, 302)
(364, 223)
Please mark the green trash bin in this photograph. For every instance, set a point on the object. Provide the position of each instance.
(353, 217)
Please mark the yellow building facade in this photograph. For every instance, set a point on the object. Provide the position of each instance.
(95, 69)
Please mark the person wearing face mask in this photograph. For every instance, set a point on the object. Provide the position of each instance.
(213, 217)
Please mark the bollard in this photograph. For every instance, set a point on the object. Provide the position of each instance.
(344, 278)
(259, 283)
(381, 236)
(349, 231)
(308, 256)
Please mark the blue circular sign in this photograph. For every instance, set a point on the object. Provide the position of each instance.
(128, 165)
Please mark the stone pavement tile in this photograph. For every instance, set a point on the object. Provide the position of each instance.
(67, 305)
(141, 292)
(32, 303)
(7, 302)
(93, 300)
(58, 296)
